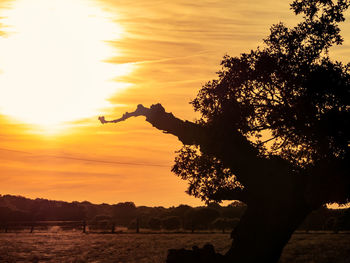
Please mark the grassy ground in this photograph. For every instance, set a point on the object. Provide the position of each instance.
(152, 248)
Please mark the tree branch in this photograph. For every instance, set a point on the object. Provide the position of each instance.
(220, 140)
(140, 111)
(188, 132)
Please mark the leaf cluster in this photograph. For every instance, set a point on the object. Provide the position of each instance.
(288, 98)
(205, 174)
(289, 92)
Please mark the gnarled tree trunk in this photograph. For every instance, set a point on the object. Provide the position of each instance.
(274, 193)
(264, 230)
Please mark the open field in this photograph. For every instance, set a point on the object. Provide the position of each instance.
(152, 248)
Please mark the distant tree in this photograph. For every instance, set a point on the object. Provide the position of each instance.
(171, 223)
(200, 218)
(132, 224)
(180, 211)
(124, 213)
(220, 223)
(102, 218)
(225, 223)
(5, 214)
(67, 211)
(214, 205)
(90, 210)
(155, 223)
(233, 210)
(205, 216)
(274, 132)
(100, 222)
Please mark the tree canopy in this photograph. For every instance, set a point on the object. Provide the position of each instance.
(288, 98)
(276, 116)
(274, 131)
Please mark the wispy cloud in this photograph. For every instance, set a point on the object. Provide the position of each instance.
(176, 47)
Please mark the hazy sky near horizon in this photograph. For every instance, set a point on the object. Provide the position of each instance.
(64, 62)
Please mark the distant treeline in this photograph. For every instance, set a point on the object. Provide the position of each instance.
(127, 214)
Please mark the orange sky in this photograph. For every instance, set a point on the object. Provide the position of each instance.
(170, 48)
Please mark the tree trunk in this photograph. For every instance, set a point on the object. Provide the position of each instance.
(263, 232)
(275, 194)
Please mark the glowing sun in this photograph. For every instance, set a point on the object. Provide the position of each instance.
(52, 55)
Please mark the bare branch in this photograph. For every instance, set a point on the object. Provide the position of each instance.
(235, 151)
(140, 111)
(188, 132)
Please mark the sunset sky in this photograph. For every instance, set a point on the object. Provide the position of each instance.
(65, 62)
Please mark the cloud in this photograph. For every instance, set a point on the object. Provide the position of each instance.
(176, 47)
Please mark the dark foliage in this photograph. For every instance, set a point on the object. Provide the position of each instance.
(171, 223)
(155, 223)
(24, 209)
(201, 218)
(123, 213)
(288, 98)
(17, 208)
(225, 223)
(274, 132)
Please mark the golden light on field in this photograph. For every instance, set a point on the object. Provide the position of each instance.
(52, 60)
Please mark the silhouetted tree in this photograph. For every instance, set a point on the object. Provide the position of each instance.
(234, 210)
(171, 223)
(134, 225)
(154, 223)
(123, 213)
(201, 218)
(101, 222)
(274, 131)
(224, 223)
(181, 211)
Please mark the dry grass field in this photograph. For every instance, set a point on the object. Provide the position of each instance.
(152, 248)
